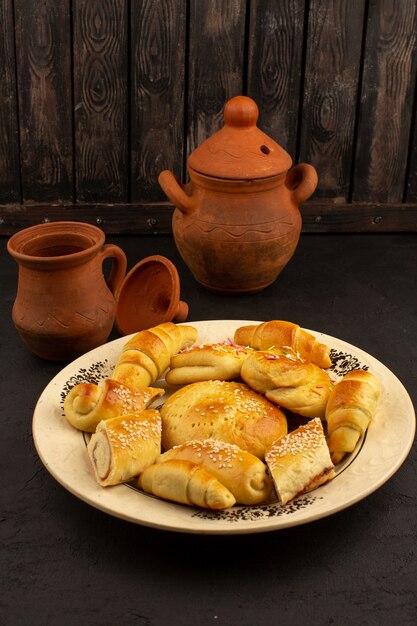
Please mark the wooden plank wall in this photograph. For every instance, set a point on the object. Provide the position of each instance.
(98, 96)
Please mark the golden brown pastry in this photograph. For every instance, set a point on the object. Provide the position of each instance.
(350, 408)
(278, 334)
(218, 361)
(242, 473)
(300, 461)
(146, 356)
(225, 410)
(186, 483)
(87, 404)
(122, 447)
(290, 382)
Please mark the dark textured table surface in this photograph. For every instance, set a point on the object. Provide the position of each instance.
(64, 562)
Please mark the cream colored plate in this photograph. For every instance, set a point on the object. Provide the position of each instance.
(378, 456)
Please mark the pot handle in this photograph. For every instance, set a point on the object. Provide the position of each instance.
(175, 191)
(302, 181)
(119, 265)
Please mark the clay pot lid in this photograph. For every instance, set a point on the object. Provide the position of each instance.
(149, 295)
(240, 150)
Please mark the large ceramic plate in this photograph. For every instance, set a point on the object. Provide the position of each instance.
(378, 456)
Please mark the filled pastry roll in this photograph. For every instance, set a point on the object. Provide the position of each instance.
(146, 356)
(278, 334)
(350, 409)
(87, 404)
(242, 473)
(289, 381)
(300, 461)
(186, 483)
(218, 361)
(122, 447)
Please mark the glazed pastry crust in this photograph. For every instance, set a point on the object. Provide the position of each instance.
(300, 461)
(186, 483)
(224, 410)
(243, 474)
(122, 447)
(290, 382)
(147, 355)
(218, 361)
(350, 409)
(87, 404)
(279, 333)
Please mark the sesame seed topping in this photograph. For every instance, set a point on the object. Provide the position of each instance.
(133, 430)
(220, 453)
(307, 437)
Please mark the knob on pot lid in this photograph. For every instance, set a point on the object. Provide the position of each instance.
(240, 150)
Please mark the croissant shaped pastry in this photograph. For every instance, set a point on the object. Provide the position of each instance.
(277, 334)
(122, 447)
(290, 382)
(147, 355)
(217, 361)
(87, 404)
(350, 409)
(242, 473)
(186, 483)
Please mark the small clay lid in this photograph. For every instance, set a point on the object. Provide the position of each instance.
(149, 295)
(240, 150)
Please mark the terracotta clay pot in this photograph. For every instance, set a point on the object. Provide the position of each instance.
(64, 306)
(237, 222)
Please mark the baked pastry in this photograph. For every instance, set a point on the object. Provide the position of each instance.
(186, 483)
(146, 356)
(300, 461)
(217, 361)
(87, 404)
(225, 410)
(122, 447)
(243, 474)
(277, 334)
(289, 381)
(350, 408)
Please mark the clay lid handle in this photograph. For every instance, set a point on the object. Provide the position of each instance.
(241, 112)
(182, 312)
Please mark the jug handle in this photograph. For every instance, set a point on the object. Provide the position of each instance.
(302, 181)
(119, 265)
(175, 191)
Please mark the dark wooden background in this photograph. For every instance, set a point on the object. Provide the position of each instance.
(98, 96)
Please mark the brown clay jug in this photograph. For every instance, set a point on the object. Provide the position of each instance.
(64, 306)
(237, 222)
